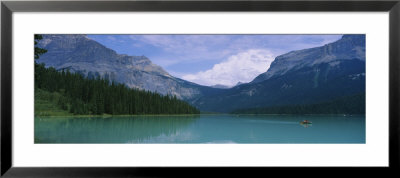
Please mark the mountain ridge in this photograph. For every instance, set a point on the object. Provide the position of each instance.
(305, 76)
(353, 46)
(78, 53)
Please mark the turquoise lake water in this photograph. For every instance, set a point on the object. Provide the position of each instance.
(201, 129)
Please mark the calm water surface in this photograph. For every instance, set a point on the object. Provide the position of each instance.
(201, 129)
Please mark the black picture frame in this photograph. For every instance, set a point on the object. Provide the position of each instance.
(8, 7)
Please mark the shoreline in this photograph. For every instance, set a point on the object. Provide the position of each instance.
(123, 115)
(181, 115)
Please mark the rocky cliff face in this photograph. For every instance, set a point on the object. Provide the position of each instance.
(80, 54)
(349, 47)
(300, 77)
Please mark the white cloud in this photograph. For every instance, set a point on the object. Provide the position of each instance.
(182, 43)
(242, 67)
(189, 47)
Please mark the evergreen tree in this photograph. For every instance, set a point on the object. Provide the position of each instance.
(38, 51)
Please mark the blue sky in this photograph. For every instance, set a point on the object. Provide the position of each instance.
(212, 59)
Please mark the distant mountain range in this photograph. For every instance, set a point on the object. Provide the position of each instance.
(306, 76)
(299, 77)
(220, 86)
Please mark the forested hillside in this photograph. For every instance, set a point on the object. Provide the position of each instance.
(80, 95)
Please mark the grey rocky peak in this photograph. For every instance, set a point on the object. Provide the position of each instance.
(349, 47)
(78, 53)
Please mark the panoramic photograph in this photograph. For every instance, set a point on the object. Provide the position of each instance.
(199, 88)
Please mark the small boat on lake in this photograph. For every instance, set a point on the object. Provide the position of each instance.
(305, 122)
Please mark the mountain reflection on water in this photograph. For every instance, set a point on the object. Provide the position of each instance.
(201, 129)
(131, 129)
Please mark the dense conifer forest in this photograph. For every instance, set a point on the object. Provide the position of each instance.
(80, 95)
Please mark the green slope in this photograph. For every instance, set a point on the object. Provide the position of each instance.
(46, 104)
